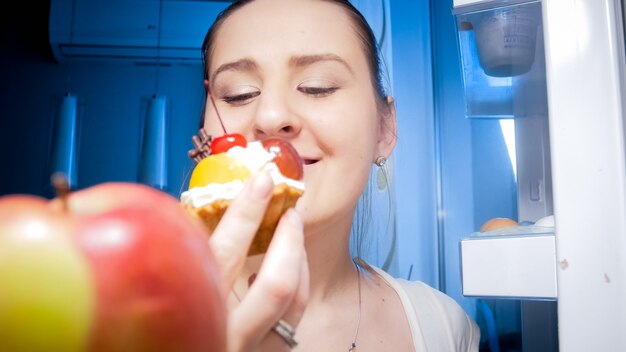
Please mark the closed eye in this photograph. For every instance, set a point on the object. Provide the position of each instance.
(318, 92)
(241, 99)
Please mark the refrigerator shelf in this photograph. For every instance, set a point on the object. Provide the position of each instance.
(512, 264)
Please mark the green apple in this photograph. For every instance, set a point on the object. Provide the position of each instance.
(46, 289)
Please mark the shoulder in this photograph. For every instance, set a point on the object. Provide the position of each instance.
(427, 297)
(441, 321)
(439, 311)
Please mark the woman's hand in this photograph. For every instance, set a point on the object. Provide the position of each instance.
(280, 290)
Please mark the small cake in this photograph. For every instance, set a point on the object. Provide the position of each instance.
(218, 178)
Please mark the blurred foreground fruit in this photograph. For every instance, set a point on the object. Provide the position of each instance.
(114, 267)
(46, 295)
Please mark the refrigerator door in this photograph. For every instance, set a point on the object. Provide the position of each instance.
(586, 89)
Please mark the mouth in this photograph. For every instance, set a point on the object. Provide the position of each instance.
(309, 161)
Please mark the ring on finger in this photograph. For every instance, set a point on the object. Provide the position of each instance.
(286, 332)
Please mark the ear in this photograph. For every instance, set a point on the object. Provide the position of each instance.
(206, 85)
(388, 131)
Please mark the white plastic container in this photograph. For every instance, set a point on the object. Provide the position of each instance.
(506, 41)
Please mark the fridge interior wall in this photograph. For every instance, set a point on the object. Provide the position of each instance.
(504, 77)
(503, 67)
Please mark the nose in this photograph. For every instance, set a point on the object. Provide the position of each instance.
(274, 118)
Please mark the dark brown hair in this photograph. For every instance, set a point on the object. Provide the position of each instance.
(362, 29)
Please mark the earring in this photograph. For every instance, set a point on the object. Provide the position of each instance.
(381, 173)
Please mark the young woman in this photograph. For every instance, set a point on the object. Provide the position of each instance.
(307, 71)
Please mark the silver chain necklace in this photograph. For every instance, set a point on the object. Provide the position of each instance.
(358, 324)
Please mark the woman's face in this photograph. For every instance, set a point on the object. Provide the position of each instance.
(296, 70)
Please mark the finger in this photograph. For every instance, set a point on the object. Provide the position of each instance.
(293, 315)
(276, 285)
(298, 304)
(232, 237)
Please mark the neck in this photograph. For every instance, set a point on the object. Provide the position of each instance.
(331, 270)
(335, 288)
(334, 283)
(330, 264)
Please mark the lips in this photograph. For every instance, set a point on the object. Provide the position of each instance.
(309, 161)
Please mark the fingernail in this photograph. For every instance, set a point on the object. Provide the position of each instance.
(262, 186)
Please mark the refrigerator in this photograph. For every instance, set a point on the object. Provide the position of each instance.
(562, 106)
(555, 72)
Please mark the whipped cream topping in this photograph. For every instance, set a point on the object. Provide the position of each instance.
(257, 159)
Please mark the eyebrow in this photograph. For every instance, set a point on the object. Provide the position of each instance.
(247, 65)
(243, 65)
(306, 60)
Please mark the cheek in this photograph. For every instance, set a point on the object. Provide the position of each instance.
(234, 121)
(211, 123)
(211, 127)
(357, 132)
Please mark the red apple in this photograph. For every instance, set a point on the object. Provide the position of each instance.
(287, 158)
(153, 281)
